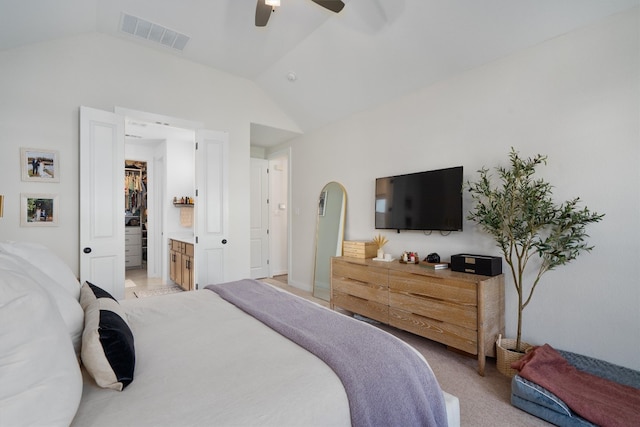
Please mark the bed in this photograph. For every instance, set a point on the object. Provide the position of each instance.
(191, 358)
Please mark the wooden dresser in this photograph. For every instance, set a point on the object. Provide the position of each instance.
(463, 311)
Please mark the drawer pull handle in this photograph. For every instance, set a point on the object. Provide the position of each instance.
(428, 320)
(421, 296)
(358, 281)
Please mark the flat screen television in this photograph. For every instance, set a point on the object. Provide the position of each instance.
(430, 200)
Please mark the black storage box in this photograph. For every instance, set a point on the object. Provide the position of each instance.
(484, 265)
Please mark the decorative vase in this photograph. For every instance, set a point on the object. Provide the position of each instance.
(506, 354)
(380, 253)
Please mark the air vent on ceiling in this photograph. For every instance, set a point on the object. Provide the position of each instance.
(153, 32)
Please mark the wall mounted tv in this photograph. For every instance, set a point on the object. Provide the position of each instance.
(430, 200)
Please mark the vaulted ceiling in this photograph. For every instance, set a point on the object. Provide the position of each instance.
(316, 65)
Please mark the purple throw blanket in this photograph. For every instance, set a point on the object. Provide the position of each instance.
(386, 382)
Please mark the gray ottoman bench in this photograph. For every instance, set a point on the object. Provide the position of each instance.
(538, 401)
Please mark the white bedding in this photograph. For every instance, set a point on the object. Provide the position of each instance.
(201, 361)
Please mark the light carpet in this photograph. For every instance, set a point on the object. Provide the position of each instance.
(158, 291)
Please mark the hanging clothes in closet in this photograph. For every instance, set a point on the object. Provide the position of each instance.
(135, 190)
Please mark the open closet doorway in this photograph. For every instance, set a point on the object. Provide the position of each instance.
(102, 141)
(135, 223)
(147, 146)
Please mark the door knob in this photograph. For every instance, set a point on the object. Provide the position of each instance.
(224, 241)
(87, 250)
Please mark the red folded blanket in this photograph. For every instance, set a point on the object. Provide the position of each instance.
(600, 401)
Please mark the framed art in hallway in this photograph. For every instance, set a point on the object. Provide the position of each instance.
(322, 203)
(38, 210)
(39, 165)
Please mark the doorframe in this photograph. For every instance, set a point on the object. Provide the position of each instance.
(146, 152)
(159, 119)
(145, 116)
(159, 186)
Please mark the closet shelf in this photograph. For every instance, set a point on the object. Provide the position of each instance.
(183, 205)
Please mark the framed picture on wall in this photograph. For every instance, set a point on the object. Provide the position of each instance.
(38, 210)
(39, 165)
(322, 203)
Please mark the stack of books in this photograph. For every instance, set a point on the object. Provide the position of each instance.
(436, 265)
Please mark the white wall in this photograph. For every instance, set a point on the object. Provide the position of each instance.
(43, 85)
(181, 182)
(574, 98)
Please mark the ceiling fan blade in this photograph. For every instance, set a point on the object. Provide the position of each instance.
(263, 12)
(333, 5)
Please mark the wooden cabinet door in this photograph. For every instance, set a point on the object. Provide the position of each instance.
(189, 277)
(186, 268)
(175, 266)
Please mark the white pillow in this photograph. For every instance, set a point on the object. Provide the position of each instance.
(46, 261)
(41, 379)
(69, 307)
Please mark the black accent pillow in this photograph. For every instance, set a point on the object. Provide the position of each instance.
(90, 293)
(108, 351)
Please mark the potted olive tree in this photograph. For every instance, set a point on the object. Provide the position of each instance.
(534, 234)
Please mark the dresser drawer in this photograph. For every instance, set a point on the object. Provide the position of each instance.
(371, 309)
(445, 289)
(459, 337)
(133, 250)
(188, 249)
(132, 239)
(445, 311)
(133, 261)
(363, 290)
(177, 246)
(132, 230)
(361, 273)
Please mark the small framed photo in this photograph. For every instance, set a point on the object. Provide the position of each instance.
(39, 165)
(322, 203)
(38, 210)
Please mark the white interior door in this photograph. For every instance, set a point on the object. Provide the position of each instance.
(279, 221)
(211, 207)
(259, 252)
(101, 200)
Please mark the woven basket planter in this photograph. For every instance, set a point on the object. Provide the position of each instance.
(506, 355)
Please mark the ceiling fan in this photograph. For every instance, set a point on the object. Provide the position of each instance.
(265, 7)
